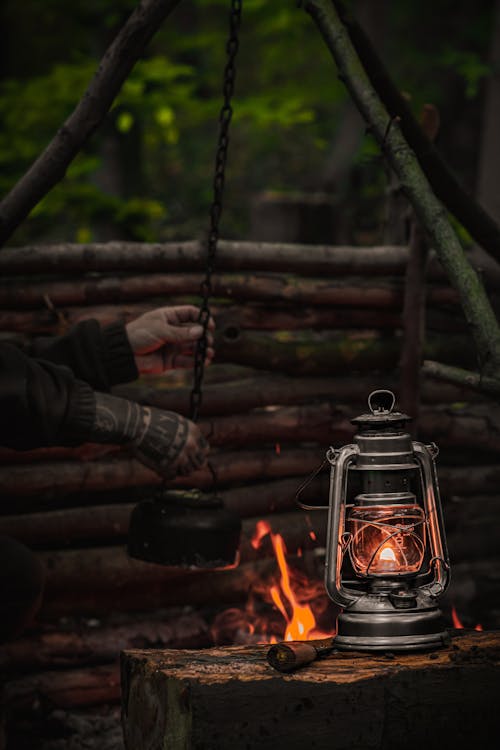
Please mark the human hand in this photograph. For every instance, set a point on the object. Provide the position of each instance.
(163, 440)
(166, 338)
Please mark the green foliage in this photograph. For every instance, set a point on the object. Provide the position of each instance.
(147, 173)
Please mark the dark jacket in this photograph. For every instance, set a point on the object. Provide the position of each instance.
(49, 399)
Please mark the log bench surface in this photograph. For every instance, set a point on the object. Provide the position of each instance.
(230, 698)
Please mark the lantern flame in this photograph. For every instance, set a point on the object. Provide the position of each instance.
(387, 553)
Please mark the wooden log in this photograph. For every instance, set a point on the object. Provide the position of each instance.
(320, 423)
(179, 699)
(253, 287)
(63, 689)
(186, 256)
(308, 260)
(366, 351)
(51, 480)
(81, 583)
(105, 524)
(260, 317)
(265, 388)
(256, 316)
(89, 645)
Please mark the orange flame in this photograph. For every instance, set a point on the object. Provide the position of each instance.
(301, 623)
(457, 623)
(290, 598)
(261, 530)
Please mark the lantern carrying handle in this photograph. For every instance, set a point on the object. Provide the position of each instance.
(381, 400)
(434, 513)
(305, 484)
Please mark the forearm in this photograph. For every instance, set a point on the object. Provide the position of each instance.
(100, 356)
(163, 440)
(41, 404)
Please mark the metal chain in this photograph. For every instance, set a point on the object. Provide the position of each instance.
(225, 116)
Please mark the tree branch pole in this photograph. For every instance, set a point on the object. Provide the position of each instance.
(464, 378)
(402, 159)
(414, 302)
(480, 225)
(50, 167)
(413, 327)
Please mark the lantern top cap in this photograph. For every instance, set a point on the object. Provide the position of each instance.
(381, 404)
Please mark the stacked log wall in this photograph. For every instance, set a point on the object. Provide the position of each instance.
(303, 335)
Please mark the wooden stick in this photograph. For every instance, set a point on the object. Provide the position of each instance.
(322, 423)
(264, 389)
(251, 287)
(104, 524)
(55, 479)
(364, 352)
(289, 656)
(97, 644)
(107, 580)
(63, 689)
(261, 317)
(188, 256)
(306, 260)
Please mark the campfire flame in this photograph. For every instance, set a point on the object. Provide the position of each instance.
(457, 623)
(291, 595)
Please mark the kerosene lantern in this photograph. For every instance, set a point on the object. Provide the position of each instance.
(386, 556)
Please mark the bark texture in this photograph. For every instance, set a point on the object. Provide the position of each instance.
(180, 699)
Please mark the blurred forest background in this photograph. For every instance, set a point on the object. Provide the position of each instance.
(147, 173)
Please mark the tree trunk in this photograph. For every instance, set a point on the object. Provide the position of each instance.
(349, 700)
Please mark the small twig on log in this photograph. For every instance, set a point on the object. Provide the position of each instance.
(288, 656)
(50, 167)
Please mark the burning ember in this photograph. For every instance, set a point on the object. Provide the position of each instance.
(457, 623)
(285, 609)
